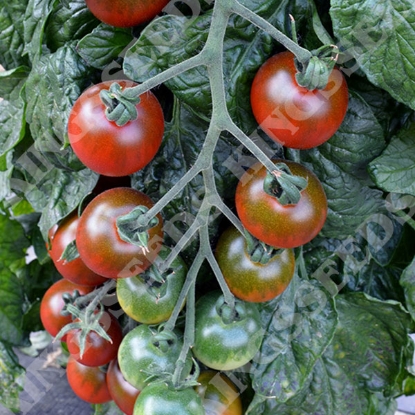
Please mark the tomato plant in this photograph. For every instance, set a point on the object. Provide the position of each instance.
(250, 279)
(125, 13)
(98, 238)
(160, 399)
(76, 270)
(146, 299)
(276, 224)
(219, 394)
(98, 351)
(88, 383)
(293, 115)
(204, 61)
(107, 148)
(52, 304)
(224, 343)
(122, 392)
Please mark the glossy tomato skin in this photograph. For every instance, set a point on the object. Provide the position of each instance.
(225, 346)
(99, 243)
(249, 280)
(125, 13)
(109, 149)
(277, 225)
(152, 307)
(160, 399)
(122, 393)
(52, 303)
(291, 114)
(98, 351)
(139, 352)
(219, 394)
(88, 383)
(75, 271)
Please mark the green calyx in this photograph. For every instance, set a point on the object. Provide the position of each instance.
(257, 250)
(155, 280)
(120, 104)
(228, 313)
(284, 185)
(133, 227)
(86, 321)
(314, 74)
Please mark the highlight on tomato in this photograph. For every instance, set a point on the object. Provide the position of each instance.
(110, 149)
(293, 115)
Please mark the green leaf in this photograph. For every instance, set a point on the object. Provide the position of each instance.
(381, 37)
(36, 16)
(11, 378)
(361, 370)
(68, 22)
(394, 169)
(408, 283)
(299, 326)
(340, 164)
(12, 33)
(103, 45)
(54, 84)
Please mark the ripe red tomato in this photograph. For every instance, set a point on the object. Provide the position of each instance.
(250, 280)
(75, 271)
(123, 393)
(107, 148)
(125, 13)
(88, 383)
(52, 303)
(98, 351)
(291, 114)
(99, 243)
(281, 226)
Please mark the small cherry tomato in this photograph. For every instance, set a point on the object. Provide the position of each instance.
(278, 225)
(88, 383)
(123, 393)
(250, 280)
(75, 271)
(291, 114)
(107, 148)
(98, 351)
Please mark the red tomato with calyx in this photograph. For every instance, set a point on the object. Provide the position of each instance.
(88, 383)
(250, 280)
(291, 114)
(98, 351)
(278, 225)
(98, 240)
(107, 148)
(52, 304)
(123, 393)
(75, 271)
(125, 13)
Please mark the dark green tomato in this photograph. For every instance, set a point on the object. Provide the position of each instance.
(221, 344)
(148, 301)
(250, 280)
(278, 225)
(160, 399)
(219, 394)
(142, 354)
(99, 243)
(123, 393)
